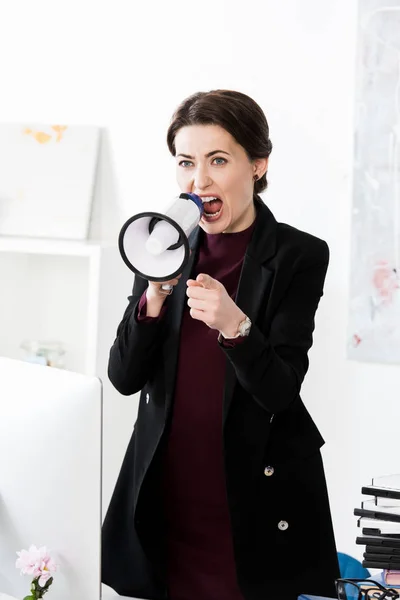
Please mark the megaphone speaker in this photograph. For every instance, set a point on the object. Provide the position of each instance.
(155, 245)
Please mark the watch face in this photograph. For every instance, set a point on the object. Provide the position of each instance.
(244, 327)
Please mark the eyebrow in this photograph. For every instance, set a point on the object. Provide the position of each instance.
(207, 155)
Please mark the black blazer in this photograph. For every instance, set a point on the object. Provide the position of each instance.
(281, 523)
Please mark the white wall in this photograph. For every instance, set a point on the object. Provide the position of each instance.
(125, 65)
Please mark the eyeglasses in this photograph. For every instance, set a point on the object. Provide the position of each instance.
(363, 589)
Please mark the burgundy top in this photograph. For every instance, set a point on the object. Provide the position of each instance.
(199, 540)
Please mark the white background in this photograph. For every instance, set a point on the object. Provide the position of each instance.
(125, 65)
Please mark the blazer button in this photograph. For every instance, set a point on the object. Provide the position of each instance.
(283, 525)
(147, 398)
(268, 471)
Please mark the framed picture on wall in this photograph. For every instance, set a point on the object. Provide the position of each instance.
(47, 175)
(374, 315)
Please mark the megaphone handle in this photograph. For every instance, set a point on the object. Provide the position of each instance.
(167, 288)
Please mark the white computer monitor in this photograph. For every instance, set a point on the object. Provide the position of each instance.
(50, 476)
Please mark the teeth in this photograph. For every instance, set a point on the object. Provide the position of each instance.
(209, 198)
(212, 214)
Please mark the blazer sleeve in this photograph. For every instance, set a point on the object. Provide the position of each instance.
(137, 346)
(272, 368)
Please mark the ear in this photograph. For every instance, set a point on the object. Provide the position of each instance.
(260, 166)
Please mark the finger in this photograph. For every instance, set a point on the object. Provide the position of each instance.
(197, 304)
(170, 282)
(193, 283)
(197, 292)
(206, 281)
(199, 315)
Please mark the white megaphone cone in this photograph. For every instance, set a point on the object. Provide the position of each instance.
(155, 245)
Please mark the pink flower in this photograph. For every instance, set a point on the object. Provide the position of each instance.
(36, 562)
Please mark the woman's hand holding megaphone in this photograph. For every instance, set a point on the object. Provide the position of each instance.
(156, 295)
(164, 288)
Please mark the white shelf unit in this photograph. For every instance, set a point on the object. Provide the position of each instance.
(75, 293)
(57, 291)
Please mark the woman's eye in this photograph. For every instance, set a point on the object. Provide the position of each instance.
(221, 161)
(185, 163)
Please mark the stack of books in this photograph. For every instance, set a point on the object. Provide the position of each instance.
(379, 520)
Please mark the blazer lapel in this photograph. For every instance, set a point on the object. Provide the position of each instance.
(254, 284)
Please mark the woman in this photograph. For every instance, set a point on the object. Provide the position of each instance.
(222, 494)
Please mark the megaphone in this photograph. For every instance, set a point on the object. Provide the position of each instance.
(155, 245)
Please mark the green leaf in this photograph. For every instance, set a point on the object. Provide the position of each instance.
(29, 598)
(48, 584)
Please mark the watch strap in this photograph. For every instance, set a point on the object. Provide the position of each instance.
(243, 330)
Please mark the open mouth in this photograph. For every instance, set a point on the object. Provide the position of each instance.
(212, 208)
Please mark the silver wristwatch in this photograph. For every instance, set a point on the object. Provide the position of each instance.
(243, 330)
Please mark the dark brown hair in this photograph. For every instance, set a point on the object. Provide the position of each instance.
(237, 113)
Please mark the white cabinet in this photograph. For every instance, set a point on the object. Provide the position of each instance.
(75, 293)
(67, 291)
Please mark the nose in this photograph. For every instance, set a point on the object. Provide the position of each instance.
(202, 179)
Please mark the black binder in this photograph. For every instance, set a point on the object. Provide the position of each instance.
(384, 550)
(375, 564)
(369, 531)
(387, 558)
(384, 541)
(371, 490)
(377, 514)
